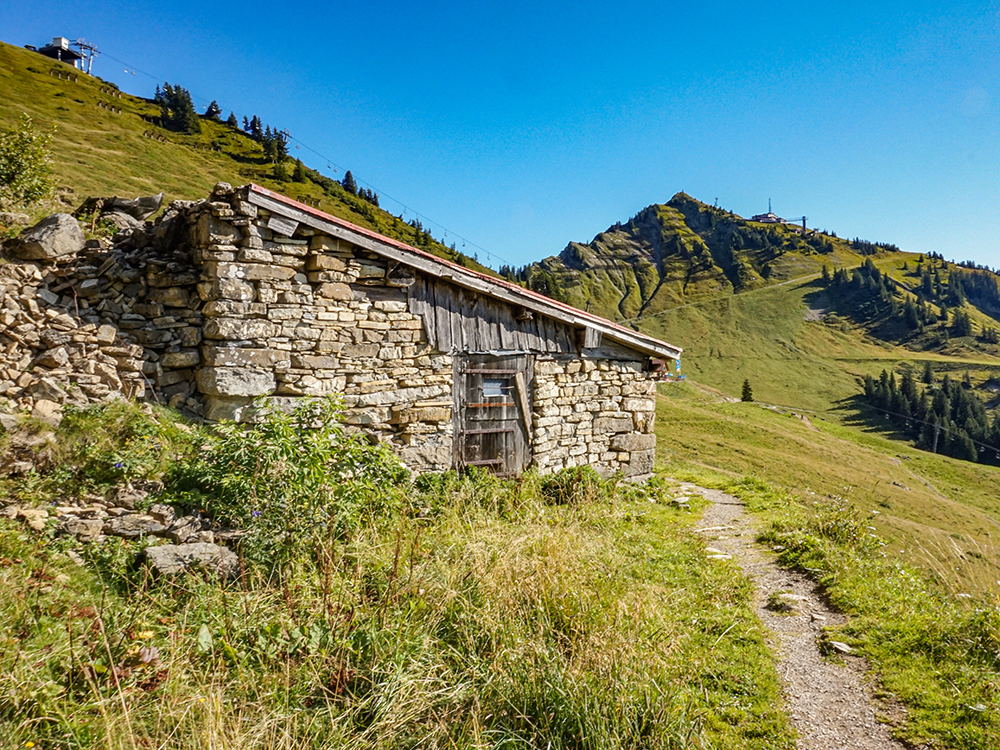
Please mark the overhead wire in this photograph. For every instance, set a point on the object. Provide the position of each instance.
(423, 219)
(937, 425)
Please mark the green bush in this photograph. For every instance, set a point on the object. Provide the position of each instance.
(574, 485)
(24, 164)
(292, 479)
(98, 447)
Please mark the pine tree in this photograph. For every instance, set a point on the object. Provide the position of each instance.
(961, 323)
(213, 111)
(747, 391)
(280, 146)
(246, 124)
(232, 121)
(177, 111)
(268, 144)
(299, 174)
(350, 185)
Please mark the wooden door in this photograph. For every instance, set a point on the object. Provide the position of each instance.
(493, 412)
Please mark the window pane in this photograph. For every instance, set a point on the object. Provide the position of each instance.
(494, 388)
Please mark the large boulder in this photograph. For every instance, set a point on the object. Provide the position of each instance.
(55, 237)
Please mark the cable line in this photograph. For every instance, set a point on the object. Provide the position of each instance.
(299, 142)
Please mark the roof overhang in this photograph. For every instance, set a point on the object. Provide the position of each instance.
(423, 261)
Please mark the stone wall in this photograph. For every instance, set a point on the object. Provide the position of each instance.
(213, 306)
(309, 316)
(84, 322)
(593, 413)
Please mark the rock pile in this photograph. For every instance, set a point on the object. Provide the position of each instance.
(93, 518)
(86, 321)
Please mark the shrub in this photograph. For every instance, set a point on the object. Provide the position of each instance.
(24, 163)
(96, 448)
(572, 486)
(293, 478)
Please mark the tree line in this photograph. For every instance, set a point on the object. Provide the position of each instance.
(874, 295)
(947, 418)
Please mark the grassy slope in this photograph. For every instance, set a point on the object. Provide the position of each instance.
(98, 153)
(493, 617)
(933, 509)
(767, 336)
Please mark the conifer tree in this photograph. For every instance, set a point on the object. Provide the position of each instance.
(232, 121)
(747, 391)
(177, 111)
(349, 184)
(213, 111)
(299, 174)
(280, 147)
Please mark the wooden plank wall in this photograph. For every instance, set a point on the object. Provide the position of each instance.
(458, 319)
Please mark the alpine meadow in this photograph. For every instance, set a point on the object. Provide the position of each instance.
(251, 494)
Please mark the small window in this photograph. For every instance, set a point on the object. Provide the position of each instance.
(493, 388)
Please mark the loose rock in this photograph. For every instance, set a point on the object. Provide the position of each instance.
(171, 559)
(133, 527)
(55, 237)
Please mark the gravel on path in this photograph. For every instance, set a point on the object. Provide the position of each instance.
(830, 705)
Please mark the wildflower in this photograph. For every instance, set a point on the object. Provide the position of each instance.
(257, 514)
(119, 465)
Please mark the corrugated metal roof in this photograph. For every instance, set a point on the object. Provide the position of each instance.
(458, 274)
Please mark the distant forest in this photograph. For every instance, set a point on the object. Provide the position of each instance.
(946, 417)
(871, 295)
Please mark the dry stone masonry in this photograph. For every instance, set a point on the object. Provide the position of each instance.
(596, 413)
(221, 302)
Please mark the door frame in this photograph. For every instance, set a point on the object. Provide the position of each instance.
(519, 454)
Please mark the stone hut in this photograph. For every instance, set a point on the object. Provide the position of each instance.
(252, 294)
(454, 367)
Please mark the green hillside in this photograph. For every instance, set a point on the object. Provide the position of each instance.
(748, 300)
(683, 251)
(106, 143)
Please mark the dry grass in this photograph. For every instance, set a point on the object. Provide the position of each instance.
(598, 624)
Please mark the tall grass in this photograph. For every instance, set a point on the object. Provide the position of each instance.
(564, 612)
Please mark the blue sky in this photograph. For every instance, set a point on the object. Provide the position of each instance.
(522, 126)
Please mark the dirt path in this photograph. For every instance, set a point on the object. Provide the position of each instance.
(830, 705)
